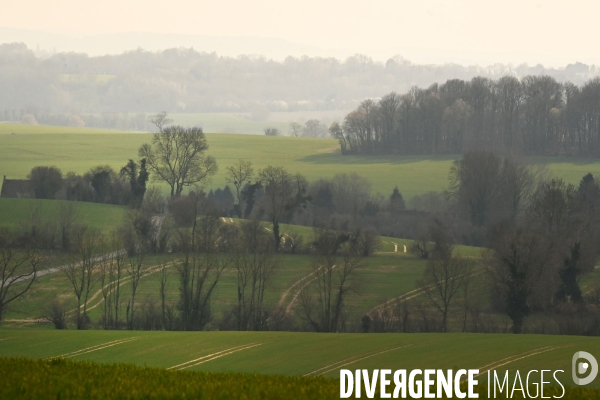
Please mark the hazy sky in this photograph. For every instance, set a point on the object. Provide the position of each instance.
(468, 31)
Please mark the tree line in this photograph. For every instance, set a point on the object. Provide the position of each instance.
(535, 115)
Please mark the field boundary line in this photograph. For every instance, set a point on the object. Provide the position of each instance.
(207, 356)
(222, 355)
(95, 348)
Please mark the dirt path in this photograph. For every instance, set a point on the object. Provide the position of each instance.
(285, 294)
(96, 347)
(214, 356)
(288, 309)
(351, 360)
(123, 281)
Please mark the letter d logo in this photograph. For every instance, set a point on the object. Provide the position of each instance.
(583, 367)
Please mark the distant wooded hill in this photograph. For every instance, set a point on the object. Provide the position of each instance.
(186, 80)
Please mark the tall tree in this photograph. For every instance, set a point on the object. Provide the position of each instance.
(239, 175)
(515, 265)
(444, 274)
(177, 157)
(80, 273)
(281, 191)
(334, 268)
(255, 266)
(137, 180)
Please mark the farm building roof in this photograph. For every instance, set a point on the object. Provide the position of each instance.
(16, 188)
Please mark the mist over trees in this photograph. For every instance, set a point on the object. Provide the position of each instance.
(536, 115)
(75, 89)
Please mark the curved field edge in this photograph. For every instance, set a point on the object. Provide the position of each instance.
(66, 379)
(296, 353)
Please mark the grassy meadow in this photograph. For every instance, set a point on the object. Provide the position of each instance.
(73, 149)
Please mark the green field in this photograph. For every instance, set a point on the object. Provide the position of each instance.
(105, 217)
(243, 122)
(307, 354)
(314, 158)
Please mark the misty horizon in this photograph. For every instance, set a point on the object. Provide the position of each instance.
(46, 44)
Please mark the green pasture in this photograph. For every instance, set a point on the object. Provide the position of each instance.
(15, 212)
(315, 158)
(380, 278)
(309, 354)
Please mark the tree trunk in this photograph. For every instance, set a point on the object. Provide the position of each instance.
(276, 234)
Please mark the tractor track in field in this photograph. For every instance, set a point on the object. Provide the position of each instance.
(516, 357)
(352, 360)
(214, 356)
(288, 309)
(405, 297)
(122, 282)
(95, 348)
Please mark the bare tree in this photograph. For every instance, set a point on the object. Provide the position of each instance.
(160, 120)
(135, 270)
(118, 264)
(199, 270)
(295, 129)
(18, 271)
(255, 265)
(515, 265)
(67, 217)
(163, 282)
(280, 192)
(198, 277)
(442, 280)
(177, 157)
(334, 268)
(86, 254)
(238, 175)
(444, 274)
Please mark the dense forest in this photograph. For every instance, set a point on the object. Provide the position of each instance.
(186, 80)
(536, 115)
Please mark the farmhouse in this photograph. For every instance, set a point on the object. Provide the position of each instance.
(16, 188)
